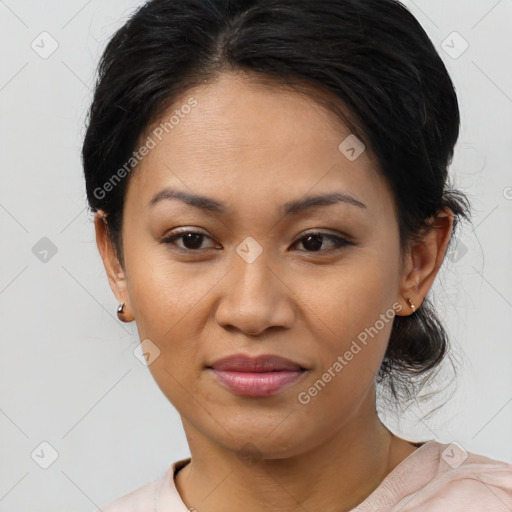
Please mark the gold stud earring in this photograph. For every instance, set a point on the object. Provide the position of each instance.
(412, 306)
(120, 311)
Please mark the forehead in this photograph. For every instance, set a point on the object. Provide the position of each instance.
(262, 139)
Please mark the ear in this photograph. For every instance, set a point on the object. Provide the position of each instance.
(115, 272)
(423, 260)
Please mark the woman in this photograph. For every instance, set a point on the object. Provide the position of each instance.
(272, 206)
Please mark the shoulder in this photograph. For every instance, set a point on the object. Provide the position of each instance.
(142, 498)
(160, 494)
(466, 481)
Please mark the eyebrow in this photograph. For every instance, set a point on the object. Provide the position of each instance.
(294, 207)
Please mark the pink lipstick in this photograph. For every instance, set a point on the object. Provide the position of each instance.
(259, 376)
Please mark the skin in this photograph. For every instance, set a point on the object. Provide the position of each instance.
(253, 148)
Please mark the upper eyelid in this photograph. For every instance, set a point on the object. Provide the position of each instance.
(320, 232)
(310, 231)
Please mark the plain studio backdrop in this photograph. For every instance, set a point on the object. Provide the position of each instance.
(81, 420)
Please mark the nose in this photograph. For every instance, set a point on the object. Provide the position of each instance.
(255, 297)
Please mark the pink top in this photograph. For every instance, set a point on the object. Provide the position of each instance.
(434, 478)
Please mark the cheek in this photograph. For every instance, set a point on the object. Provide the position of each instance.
(349, 353)
(355, 307)
(354, 296)
(162, 292)
(168, 300)
(167, 309)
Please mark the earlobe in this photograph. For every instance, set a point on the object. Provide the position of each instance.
(424, 259)
(115, 273)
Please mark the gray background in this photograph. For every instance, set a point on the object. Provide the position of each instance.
(68, 374)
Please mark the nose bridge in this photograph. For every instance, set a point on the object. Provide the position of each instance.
(252, 275)
(252, 269)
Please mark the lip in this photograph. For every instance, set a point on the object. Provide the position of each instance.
(262, 363)
(259, 376)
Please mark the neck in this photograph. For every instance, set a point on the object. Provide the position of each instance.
(334, 476)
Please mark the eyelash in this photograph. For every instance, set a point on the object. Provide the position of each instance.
(340, 241)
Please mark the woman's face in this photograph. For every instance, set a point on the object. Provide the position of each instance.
(251, 281)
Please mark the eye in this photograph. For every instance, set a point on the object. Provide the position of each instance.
(313, 241)
(191, 240)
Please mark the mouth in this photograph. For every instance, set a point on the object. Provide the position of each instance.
(261, 376)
